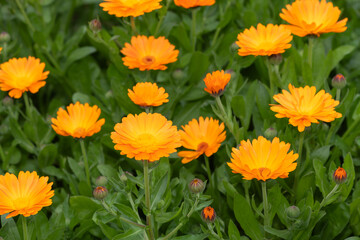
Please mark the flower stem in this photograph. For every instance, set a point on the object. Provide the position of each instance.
(310, 50)
(27, 105)
(24, 227)
(353, 125)
(209, 173)
(4, 159)
(228, 122)
(298, 168)
(193, 28)
(147, 198)
(133, 26)
(212, 232)
(86, 164)
(27, 20)
(162, 17)
(329, 195)
(266, 206)
(271, 76)
(338, 93)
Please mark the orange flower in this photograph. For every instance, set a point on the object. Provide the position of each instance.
(79, 121)
(147, 136)
(303, 107)
(193, 3)
(216, 82)
(264, 41)
(25, 195)
(149, 53)
(0, 49)
(208, 214)
(204, 136)
(340, 175)
(312, 17)
(148, 94)
(19, 75)
(134, 8)
(263, 159)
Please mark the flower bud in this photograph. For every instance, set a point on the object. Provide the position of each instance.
(339, 81)
(8, 101)
(196, 186)
(234, 48)
(4, 37)
(95, 25)
(208, 215)
(275, 59)
(340, 175)
(270, 133)
(178, 74)
(101, 181)
(123, 177)
(100, 193)
(292, 212)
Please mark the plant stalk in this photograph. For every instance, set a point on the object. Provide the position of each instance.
(266, 206)
(27, 20)
(162, 17)
(310, 50)
(112, 212)
(193, 28)
(333, 191)
(25, 229)
(338, 94)
(133, 26)
(147, 199)
(209, 173)
(298, 167)
(86, 164)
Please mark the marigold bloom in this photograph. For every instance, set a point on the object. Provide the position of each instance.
(19, 75)
(148, 94)
(79, 121)
(203, 136)
(25, 195)
(340, 175)
(0, 49)
(263, 159)
(193, 3)
(125, 8)
(149, 53)
(304, 106)
(216, 82)
(147, 136)
(264, 41)
(208, 214)
(313, 17)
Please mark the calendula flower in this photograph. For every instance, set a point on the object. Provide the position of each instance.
(20, 75)
(340, 175)
(148, 94)
(263, 159)
(193, 3)
(264, 41)
(149, 53)
(203, 136)
(208, 214)
(25, 195)
(79, 121)
(0, 49)
(304, 106)
(313, 17)
(216, 82)
(125, 8)
(147, 136)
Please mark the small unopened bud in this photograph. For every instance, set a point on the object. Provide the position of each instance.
(8, 101)
(4, 37)
(339, 81)
(178, 74)
(208, 215)
(340, 175)
(292, 212)
(101, 181)
(95, 25)
(234, 48)
(196, 186)
(270, 133)
(100, 193)
(275, 59)
(123, 177)
(109, 94)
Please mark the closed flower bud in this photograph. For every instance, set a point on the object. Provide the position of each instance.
(100, 193)
(208, 215)
(339, 81)
(270, 133)
(275, 59)
(178, 74)
(196, 186)
(95, 25)
(340, 175)
(123, 177)
(292, 212)
(4, 37)
(101, 181)
(234, 48)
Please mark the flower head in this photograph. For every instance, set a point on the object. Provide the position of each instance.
(100, 192)
(340, 175)
(196, 186)
(339, 81)
(264, 41)
(193, 3)
(148, 94)
(126, 8)
(147, 136)
(313, 17)
(25, 195)
(304, 106)
(263, 159)
(216, 82)
(203, 136)
(79, 121)
(149, 53)
(208, 214)
(20, 75)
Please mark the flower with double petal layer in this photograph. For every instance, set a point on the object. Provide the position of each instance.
(126, 8)
(193, 3)
(216, 82)
(147, 94)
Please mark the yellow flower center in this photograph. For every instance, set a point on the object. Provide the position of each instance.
(145, 140)
(148, 60)
(79, 131)
(202, 147)
(20, 203)
(265, 172)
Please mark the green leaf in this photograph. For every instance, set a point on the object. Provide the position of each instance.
(198, 66)
(168, 216)
(337, 218)
(192, 237)
(77, 170)
(107, 170)
(126, 211)
(321, 154)
(350, 170)
(131, 234)
(158, 191)
(233, 232)
(320, 177)
(78, 54)
(284, 234)
(83, 206)
(9, 230)
(47, 155)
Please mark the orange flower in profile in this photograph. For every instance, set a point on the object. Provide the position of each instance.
(149, 53)
(208, 214)
(313, 17)
(148, 94)
(203, 136)
(194, 3)
(263, 159)
(216, 82)
(79, 121)
(304, 106)
(125, 8)
(340, 175)
(147, 136)
(20, 75)
(0, 49)
(264, 41)
(25, 195)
